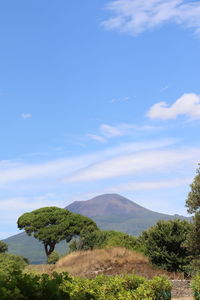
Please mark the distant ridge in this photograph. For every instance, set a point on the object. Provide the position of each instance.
(109, 211)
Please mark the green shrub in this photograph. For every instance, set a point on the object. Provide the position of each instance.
(53, 258)
(10, 262)
(127, 287)
(104, 239)
(164, 244)
(159, 288)
(195, 284)
(22, 286)
(18, 285)
(3, 247)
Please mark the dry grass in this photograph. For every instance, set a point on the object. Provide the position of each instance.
(111, 261)
(183, 298)
(104, 261)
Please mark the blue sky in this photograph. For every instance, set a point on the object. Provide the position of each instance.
(98, 97)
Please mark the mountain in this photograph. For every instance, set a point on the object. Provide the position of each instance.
(115, 212)
(31, 248)
(109, 211)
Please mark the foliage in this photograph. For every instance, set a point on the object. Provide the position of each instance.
(193, 200)
(158, 288)
(104, 239)
(164, 244)
(10, 262)
(3, 247)
(52, 225)
(126, 287)
(17, 285)
(193, 205)
(195, 284)
(53, 257)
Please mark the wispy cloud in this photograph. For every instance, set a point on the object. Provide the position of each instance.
(136, 163)
(109, 131)
(26, 116)
(11, 171)
(188, 105)
(97, 138)
(136, 16)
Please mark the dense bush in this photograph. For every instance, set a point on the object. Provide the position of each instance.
(165, 244)
(104, 239)
(53, 258)
(129, 287)
(195, 284)
(17, 285)
(10, 263)
(3, 247)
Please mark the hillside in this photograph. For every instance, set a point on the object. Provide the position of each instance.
(29, 247)
(109, 211)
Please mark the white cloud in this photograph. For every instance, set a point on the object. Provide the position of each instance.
(136, 16)
(108, 131)
(111, 131)
(136, 163)
(26, 116)
(188, 105)
(56, 169)
(97, 138)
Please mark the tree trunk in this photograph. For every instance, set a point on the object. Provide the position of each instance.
(49, 248)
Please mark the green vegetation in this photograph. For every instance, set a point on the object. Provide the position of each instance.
(129, 287)
(193, 205)
(3, 247)
(53, 258)
(104, 239)
(164, 244)
(195, 284)
(50, 225)
(10, 263)
(193, 200)
(18, 285)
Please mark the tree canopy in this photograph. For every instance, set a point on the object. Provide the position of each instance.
(193, 205)
(164, 244)
(193, 200)
(50, 225)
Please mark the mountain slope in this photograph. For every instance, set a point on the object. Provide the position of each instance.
(115, 212)
(31, 248)
(109, 211)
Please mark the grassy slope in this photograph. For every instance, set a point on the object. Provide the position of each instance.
(112, 261)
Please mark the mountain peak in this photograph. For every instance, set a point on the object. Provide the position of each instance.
(106, 204)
